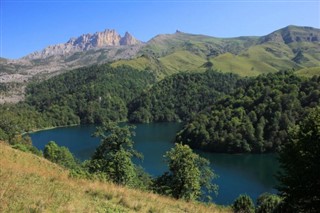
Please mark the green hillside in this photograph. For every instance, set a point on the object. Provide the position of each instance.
(288, 48)
(309, 72)
(180, 96)
(32, 184)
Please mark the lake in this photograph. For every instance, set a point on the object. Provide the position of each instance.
(250, 174)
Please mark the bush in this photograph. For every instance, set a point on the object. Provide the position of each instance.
(243, 204)
(59, 155)
(27, 148)
(267, 203)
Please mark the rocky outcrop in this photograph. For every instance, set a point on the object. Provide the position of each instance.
(128, 39)
(107, 38)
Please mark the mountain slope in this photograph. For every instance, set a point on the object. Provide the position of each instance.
(292, 47)
(32, 184)
(88, 49)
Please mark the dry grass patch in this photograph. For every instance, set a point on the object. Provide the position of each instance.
(32, 184)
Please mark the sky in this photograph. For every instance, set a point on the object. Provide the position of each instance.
(31, 25)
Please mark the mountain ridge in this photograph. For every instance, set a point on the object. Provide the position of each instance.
(291, 47)
(85, 42)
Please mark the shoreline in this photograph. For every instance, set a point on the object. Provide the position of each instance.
(48, 128)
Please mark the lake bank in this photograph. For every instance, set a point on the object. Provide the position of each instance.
(241, 173)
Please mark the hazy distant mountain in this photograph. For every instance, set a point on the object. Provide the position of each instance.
(291, 47)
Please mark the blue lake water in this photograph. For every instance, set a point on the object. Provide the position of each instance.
(251, 174)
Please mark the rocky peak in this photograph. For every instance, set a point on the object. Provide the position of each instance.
(128, 39)
(107, 38)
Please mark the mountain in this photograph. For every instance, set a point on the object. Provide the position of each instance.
(88, 49)
(292, 34)
(292, 47)
(107, 38)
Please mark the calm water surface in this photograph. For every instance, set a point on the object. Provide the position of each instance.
(238, 174)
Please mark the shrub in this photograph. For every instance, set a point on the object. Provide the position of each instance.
(243, 204)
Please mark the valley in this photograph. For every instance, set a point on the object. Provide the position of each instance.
(226, 103)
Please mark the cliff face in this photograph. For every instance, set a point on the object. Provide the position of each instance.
(107, 38)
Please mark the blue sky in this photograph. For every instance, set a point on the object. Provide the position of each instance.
(27, 26)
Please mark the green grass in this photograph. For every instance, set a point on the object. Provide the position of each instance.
(246, 56)
(309, 72)
(140, 63)
(182, 61)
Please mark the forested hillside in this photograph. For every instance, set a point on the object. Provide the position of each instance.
(181, 96)
(256, 117)
(91, 94)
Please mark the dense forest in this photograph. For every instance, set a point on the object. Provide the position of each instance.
(86, 95)
(19, 118)
(89, 95)
(181, 96)
(256, 117)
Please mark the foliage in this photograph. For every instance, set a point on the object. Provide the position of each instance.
(114, 155)
(59, 155)
(24, 143)
(243, 204)
(180, 96)
(256, 117)
(300, 169)
(88, 95)
(188, 177)
(267, 203)
(26, 148)
(17, 119)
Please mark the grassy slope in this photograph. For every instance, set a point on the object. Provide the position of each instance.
(183, 61)
(32, 184)
(246, 56)
(309, 72)
(180, 52)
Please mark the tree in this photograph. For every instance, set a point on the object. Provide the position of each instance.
(268, 203)
(243, 204)
(60, 155)
(114, 155)
(189, 176)
(299, 177)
